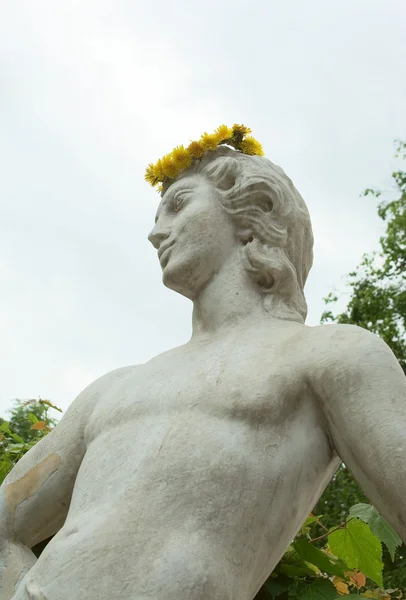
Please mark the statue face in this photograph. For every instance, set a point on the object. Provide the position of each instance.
(194, 236)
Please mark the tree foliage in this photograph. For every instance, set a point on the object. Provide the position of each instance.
(23, 415)
(29, 422)
(342, 493)
(377, 302)
(378, 285)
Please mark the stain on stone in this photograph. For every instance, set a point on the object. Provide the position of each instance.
(26, 486)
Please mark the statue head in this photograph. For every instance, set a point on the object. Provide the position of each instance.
(230, 200)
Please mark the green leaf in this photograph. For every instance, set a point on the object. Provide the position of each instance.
(309, 521)
(326, 564)
(378, 525)
(5, 468)
(277, 585)
(312, 519)
(295, 570)
(5, 427)
(31, 417)
(17, 438)
(16, 448)
(293, 565)
(359, 548)
(320, 589)
(48, 403)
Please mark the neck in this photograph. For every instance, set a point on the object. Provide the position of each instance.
(228, 300)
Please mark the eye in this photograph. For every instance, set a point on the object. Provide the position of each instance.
(178, 201)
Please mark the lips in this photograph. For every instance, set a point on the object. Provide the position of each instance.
(163, 253)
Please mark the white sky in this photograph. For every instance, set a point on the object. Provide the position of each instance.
(93, 90)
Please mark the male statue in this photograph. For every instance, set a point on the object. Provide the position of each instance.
(187, 477)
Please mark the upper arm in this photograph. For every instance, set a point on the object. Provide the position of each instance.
(362, 392)
(36, 493)
(35, 496)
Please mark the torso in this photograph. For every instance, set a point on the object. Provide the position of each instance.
(200, 467)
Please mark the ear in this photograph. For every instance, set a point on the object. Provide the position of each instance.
(223, 172)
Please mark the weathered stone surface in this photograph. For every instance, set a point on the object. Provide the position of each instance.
(186, 478)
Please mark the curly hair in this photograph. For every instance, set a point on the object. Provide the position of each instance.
(273, 223)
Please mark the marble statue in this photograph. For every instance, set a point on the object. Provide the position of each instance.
(187, 477)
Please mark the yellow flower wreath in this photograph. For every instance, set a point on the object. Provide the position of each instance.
(181, 158)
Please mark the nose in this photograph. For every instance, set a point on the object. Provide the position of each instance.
(157, 236)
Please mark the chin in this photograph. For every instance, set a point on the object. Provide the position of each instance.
(180, 279)
(174, 282)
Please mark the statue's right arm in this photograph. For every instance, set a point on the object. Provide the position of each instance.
(35, 496)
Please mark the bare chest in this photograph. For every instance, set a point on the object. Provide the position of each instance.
(216, 448)
(228, 384)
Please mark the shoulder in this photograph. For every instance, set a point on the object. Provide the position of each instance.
(345, 357)
(344, 342)
(110, 378)
(86, 401)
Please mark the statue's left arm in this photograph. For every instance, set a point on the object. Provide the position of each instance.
(361, 390)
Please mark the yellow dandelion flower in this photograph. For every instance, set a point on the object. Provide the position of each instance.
(168, 167)
(181, 158)
(160, 188)
(158, 170)
(195, 149)
(240, 129)
(223, 133)
(150, 175)
(251, 146)
(208, 141)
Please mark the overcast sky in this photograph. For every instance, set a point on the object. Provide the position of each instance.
(93, 90)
